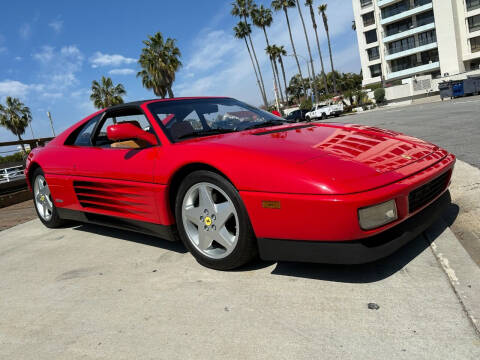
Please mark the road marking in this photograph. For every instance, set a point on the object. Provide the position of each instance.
(464, 102)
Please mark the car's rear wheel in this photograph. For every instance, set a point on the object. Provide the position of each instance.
(42, 198)
(213, 222)
(324, 116)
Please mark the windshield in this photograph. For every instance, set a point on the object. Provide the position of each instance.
(189, 118)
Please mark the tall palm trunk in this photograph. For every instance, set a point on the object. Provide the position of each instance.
(170, 92)
(314, 86)
(271, 63)
(284, 77)
(258, 68)
(314, 23)
(278, 80)
(331, 63)
(293, 46)
(255, 70)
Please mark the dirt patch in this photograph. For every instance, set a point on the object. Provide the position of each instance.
(17, 214)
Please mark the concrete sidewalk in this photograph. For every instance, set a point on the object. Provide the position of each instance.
(93, 292)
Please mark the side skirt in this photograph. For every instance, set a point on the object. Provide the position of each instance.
(167, 232)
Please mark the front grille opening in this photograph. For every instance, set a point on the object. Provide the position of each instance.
(426, 193)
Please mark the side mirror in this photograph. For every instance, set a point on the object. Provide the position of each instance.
(127, 131)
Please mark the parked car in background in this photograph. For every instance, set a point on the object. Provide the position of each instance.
(297, 115)
(324, 111)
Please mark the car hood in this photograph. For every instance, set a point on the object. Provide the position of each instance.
(342, 158)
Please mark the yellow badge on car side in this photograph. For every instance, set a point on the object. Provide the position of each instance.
(208, 221)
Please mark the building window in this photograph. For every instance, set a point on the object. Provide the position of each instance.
(429, 56)
(398, 27)
(411, 61)
(474, 23)
(475, 44)
(401, 45)
(427, 37)
(395, 9)
(425, 18)
(375, 70)
(422, 2)
(373, 53)
(368, 19)
(364, 3)
(371, 36)
(473, 4)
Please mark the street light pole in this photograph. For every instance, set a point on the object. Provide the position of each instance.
(51, 122)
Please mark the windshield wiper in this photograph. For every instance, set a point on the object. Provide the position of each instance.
(266, 123)
(205, 133)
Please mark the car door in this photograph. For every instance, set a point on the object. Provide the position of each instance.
(117, 181)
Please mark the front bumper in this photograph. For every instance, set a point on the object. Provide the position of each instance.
(357, 251)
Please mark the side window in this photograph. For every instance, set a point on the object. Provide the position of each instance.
(139, 120)
(194, 120)
(84, 137)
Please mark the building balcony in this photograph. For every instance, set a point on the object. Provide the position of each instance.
(409, 32)
(406, 14)
(382, 3)
(413, 70)
(418, 48)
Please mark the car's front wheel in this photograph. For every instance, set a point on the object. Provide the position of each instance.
(42, 198)
(213, 222)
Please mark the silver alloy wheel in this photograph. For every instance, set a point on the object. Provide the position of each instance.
(43, 199)
(210, 220)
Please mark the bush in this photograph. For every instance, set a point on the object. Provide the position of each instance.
(306, 104)
(379, 95)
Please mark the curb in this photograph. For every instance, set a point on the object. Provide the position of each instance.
(462, 272)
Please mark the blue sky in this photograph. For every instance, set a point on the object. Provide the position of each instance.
(50, 51)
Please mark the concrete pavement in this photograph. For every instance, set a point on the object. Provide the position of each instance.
(93, 292)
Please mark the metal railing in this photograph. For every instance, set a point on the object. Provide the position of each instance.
(11, 174)
(399, 8)
(409, 45)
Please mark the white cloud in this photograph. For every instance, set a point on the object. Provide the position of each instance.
(60, 66)
(25, 31)
(121, 71)
(100, 59)
(17, 89)
(18, 58)
(56, 25)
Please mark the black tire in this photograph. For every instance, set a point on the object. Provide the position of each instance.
(55, 221)
(246, 246)
(324, 116)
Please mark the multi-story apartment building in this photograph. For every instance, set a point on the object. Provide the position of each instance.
(399, 39)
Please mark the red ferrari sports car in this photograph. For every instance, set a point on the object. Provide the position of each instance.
(231, 181)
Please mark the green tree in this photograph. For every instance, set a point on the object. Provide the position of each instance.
(309, 3)
(280, 53)
(262, 18)
(379, 95)
(297, 87)
(309, 51)
(160, 60)
(279, 5)
(322, 9)
(15, 117)
(272, 54)
(242, 9)
(241, 31)
(105, 94)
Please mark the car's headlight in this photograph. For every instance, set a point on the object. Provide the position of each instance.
(377, 215)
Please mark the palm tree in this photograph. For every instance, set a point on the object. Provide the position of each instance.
(322, 9)
(160, 60)
(309, 3)
(276, 57)
(282, 52)
(262, 18)
(272, 54)
(16, 117)
(279, 5)
(106, 94)
(309, 51)
(242, 30)
(242, 9)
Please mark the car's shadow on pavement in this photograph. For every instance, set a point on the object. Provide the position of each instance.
(148, 240)
(366, 273)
